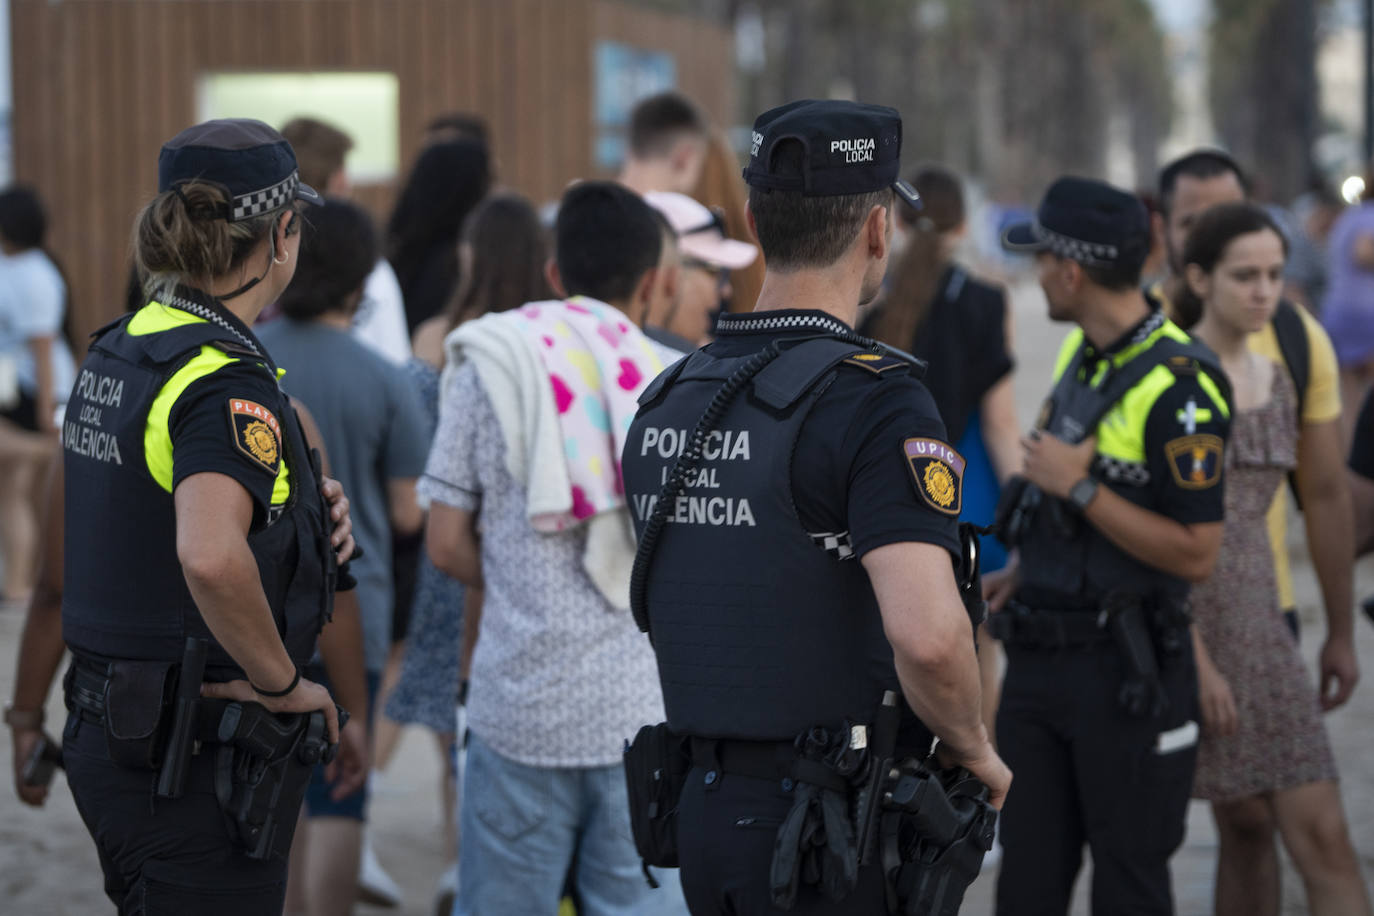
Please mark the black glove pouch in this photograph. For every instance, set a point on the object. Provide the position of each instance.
(656, 765)
(138, 697)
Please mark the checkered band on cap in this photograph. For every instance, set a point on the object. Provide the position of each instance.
(1094, 254)
(256, 203)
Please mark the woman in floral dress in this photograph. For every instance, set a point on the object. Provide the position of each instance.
(1264, 758)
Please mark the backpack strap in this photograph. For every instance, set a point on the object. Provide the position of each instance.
(1297, 358)
(1291, 332)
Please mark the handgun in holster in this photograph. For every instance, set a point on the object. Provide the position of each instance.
(1141, 693)
(262, 770)
(938, 827)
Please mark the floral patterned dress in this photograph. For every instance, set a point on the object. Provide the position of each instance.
(1280, 741)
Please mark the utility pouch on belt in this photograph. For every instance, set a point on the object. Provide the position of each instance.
(137, 698)
(656, 765)
(262, 771)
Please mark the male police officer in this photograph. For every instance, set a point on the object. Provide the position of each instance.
(805, 568)
(1122, 508)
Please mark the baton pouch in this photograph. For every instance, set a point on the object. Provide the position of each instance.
(656, 765)
(138, 696)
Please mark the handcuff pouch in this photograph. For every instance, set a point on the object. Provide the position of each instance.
(138, 695)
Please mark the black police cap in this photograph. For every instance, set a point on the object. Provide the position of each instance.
(249, 160)
(848, 148)
(1086, 221)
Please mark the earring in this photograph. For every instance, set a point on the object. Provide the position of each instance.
(286, 256)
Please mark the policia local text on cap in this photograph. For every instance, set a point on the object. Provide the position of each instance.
(797, 585)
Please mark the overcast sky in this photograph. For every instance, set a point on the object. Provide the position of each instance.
(1182, 14)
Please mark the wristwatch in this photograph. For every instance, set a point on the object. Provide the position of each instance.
(1083, 492)
(24, 719)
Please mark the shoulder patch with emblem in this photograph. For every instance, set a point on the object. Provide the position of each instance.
(877, 363)
(256, 432)
(1195, 460)
(938, 473)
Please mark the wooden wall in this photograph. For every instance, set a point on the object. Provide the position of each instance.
(100, 84)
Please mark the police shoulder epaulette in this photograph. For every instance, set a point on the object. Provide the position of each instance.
(877, 363)
(1182, 366)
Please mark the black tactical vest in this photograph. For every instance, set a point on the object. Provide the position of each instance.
(1065, 562)
(759, 633)
(124, 594)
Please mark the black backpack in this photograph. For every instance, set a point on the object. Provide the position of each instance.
(1292, 336)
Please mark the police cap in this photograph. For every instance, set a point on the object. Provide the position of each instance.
(249, 160)
(849, 148)
(1086, 221)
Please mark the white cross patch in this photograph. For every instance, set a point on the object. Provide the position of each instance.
(1187, 417)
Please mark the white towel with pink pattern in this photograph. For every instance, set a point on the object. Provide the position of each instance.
(564, 378)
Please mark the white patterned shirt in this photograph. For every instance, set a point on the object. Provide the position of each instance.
(560, 678)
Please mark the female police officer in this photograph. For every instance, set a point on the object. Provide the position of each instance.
(192, 510)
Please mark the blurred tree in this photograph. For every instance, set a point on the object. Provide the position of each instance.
(1263, 89)
(1013, 93)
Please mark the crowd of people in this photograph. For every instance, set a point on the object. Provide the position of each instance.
(473, 368)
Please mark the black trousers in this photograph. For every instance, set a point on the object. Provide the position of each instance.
(164, 857)
(725, 845)
(1086, 772)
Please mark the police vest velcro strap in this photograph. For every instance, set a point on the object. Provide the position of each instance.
(788, 378)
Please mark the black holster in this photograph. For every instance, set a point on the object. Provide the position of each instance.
(262, 770)
(937, 826)
(656, 765)
(1141, 693)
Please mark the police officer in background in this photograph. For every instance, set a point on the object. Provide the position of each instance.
(806, 565)
(192, 510)
(1119, 509)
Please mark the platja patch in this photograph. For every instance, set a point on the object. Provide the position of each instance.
(938, 473)
(257, 433)
(1195, 460)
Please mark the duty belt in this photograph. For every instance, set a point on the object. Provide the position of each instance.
(772, 760)
(1035, 628)
(86, 690)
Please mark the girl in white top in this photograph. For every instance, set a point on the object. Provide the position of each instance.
(36, 374)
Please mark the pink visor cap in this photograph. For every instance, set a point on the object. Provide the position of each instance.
(701, 233)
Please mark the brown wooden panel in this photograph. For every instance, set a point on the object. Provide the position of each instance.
(100, 84)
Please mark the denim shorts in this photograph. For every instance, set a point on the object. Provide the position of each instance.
(524, 826)
(317, 800)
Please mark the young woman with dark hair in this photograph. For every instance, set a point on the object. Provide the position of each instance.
(1264, 759)
(448, 181)
(501, 257)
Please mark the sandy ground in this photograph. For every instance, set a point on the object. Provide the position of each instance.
(48, 866)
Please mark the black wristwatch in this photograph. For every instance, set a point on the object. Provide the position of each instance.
(1083, 492)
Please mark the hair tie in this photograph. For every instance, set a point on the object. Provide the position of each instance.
(201, 211)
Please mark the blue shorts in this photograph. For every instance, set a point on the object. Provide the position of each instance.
(318, 802)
